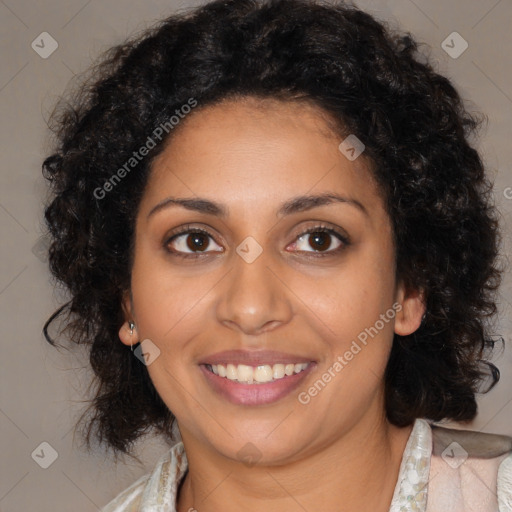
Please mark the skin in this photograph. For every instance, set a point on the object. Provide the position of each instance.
(251, 156)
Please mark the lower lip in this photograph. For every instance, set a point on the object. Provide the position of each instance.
(255, 394)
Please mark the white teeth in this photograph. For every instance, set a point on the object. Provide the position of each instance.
(263, 373)
(278, 372)
(245, 373)
(231, 372)
(289, 369)
(256, 375)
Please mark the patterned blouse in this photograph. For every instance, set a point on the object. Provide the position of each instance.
(442, 470)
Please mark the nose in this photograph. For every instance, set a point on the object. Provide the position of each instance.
(254, 297)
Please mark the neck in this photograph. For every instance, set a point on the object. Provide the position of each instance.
(357, 471)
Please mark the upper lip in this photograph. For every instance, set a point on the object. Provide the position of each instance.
(253, 358)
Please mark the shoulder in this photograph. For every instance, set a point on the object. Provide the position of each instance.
(475, 444)
(472, 469)
(505, 484)
(128, 500)
(155, 491)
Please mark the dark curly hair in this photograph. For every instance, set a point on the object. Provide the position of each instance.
(373, 82)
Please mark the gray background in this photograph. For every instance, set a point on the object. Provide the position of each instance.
(41, 388)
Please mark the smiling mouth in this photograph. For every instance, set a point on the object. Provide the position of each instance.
(260, 374)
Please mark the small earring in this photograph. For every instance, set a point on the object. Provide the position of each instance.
(132, 325)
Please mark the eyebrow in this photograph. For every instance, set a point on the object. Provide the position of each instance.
(294, 205)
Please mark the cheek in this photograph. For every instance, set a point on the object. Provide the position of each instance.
(356, 324)
(349, 299)
(169, 312)
(167, 301)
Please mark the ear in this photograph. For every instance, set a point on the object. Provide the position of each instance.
(409, 317)
(125, 334)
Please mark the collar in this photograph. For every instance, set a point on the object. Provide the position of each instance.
(412, 485)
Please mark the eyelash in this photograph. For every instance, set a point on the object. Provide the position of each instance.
(187, 229)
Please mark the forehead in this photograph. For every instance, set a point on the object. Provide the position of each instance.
(253, 154)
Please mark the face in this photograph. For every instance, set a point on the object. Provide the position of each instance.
(246, 266)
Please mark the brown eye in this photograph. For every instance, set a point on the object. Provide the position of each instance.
(321, 240)
(189, 242)
(197, 241)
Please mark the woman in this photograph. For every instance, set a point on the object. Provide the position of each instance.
(276, 233)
